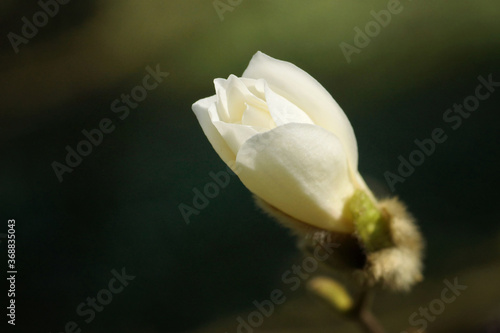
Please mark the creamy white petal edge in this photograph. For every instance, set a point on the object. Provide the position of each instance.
(205, 111)
(301, 169)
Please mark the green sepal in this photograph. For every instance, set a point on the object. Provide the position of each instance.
(372, 226)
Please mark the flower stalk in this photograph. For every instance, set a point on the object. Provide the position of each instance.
(337, 297)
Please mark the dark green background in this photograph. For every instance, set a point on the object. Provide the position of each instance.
(119, 208)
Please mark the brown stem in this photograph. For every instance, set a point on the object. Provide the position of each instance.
(364, 315)
(369, 323)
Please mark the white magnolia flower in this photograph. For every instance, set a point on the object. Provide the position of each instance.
(287, 139)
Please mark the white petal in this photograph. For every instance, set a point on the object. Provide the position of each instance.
(257, 117)
(283, 111)
(308, 94)
(232, 95)
(235, 135)
(300, 169)
(256, 87)
(201, 110)
(221, 101)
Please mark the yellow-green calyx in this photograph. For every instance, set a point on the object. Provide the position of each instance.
(372, 226)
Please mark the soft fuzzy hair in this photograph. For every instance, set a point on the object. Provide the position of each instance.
(397, 267)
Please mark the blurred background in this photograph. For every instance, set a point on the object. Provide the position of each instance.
(119, 207)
